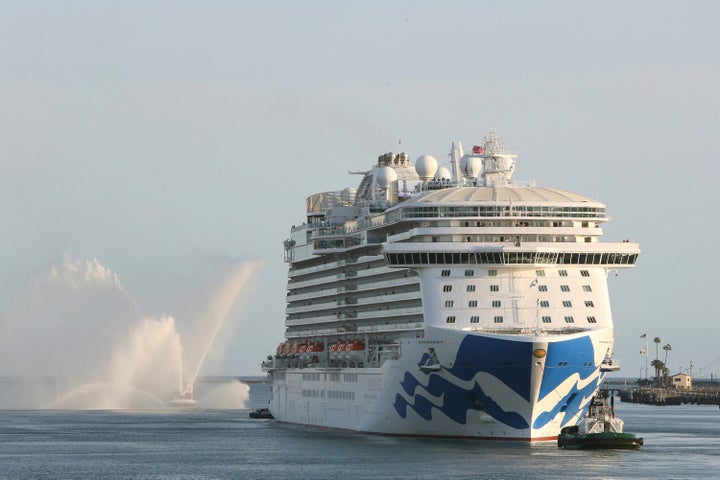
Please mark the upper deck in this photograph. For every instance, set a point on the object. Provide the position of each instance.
(474, 208)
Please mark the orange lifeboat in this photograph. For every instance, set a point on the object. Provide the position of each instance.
(337, 348)
(357, 345)
(354, 351)
(289, 348)
(280, 350)
(315, 347)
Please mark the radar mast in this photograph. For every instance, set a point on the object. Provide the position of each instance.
(498, 166)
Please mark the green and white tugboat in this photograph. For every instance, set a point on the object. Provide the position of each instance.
(600, 428)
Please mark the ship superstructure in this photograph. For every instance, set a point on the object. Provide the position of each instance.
(450, 302)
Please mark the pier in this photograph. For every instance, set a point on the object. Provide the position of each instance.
(668, 396)
(703, 393)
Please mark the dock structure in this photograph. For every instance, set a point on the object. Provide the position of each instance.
(669, 396)
(632, 391)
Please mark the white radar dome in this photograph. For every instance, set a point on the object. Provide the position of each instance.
(443, 174)
(385, 176)
(347, 195)
(426, 166)
(471, 166)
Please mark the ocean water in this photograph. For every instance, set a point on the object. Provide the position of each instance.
(680, 442)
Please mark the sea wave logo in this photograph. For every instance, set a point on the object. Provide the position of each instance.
(494, 376)
(570, 380)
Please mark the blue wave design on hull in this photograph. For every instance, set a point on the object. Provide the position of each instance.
(508, 361)
(563, 360)
(456, 402)
(494, 356)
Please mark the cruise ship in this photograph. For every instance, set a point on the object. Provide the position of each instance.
(446, 301)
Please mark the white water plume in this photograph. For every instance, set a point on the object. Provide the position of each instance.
(76, 339)
(232, 291)
(228, 395)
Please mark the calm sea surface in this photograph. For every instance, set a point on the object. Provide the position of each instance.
(680, 442)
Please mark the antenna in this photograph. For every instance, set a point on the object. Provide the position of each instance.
(455, 154)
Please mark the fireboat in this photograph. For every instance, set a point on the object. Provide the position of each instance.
(184, 399)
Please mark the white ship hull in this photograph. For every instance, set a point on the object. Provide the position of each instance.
(486, 387)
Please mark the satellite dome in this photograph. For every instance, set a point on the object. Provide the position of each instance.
(426, 166)
(471, 166)
(443, 174)
(347, 195)
(384, 176)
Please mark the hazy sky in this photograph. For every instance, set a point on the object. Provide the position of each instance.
(167, 139)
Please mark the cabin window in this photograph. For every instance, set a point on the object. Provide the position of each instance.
(542, 288)
(450, 319)
(546, 319)
(449, 303)
(591, 319)
(474, 319)
(496, 303)
(565, 288)
(587, 288)
(498, 319)
(469, 273)
(540, 273)
(494, 288)
(562, 273)
(492, 273)
(569, 319)
(567, 303)
(544, 304)
(445, 273)
(470, 288)
(584, 273)
(447, 288)
(589, 303)
(472, 303)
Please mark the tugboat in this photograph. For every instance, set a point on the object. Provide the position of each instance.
(261, 414)
(599, 429)
(184, 399)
